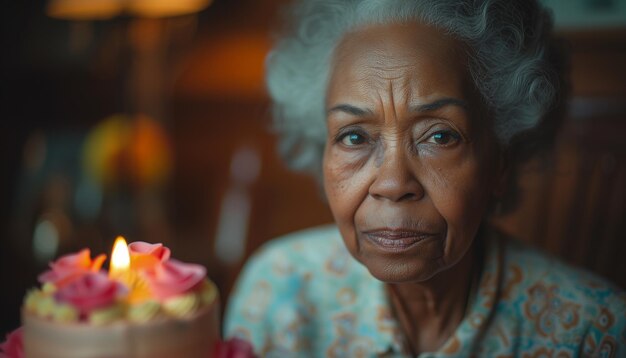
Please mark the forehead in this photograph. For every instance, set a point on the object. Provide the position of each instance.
(411, 57)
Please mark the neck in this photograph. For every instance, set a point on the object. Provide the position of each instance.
(430, 311)
(441, 292)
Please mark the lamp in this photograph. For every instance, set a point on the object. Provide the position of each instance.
(165, 8)
(106, 9)
(84, 9)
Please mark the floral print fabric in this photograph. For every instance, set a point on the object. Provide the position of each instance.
(304, 295)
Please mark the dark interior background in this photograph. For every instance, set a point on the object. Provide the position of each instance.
(200, 78)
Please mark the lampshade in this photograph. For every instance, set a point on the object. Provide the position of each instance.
(106, 9)
(84, 9)
(164, 8)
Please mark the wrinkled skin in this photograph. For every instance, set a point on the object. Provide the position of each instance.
(410, 163)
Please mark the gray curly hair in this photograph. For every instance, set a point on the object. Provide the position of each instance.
(507, 43)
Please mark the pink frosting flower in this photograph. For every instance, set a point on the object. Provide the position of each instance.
(144, 255)
(70, 267)
(90, 291)
(14, 345)
(233, 348)
(172, 278)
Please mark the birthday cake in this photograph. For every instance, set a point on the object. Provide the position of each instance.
(147, 305)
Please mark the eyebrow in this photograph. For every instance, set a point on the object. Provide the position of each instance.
(433, 106)
(349, 109)
(425, 107)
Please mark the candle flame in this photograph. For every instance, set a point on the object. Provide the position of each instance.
(120, 258)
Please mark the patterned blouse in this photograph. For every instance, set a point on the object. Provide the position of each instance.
(304, 295)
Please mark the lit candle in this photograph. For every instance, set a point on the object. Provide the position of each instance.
(121, 270)
(120, 262)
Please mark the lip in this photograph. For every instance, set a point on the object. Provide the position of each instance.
(396, 240)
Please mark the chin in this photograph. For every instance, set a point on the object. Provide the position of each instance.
(417, 263)
(402, 271)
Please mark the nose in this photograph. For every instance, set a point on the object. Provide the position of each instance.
(395, 179)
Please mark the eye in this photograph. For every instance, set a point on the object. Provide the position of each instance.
(352, 139)
(444, 138)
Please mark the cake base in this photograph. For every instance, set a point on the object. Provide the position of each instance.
(164, 338)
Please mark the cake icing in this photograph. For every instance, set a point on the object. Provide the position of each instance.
(156, 307)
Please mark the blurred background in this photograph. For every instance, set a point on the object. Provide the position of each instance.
(149, 119)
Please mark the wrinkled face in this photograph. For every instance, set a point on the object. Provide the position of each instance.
(409, 163)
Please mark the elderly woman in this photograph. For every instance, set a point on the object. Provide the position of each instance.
(410, 109)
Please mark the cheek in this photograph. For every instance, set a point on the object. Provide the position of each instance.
(346, 178)
(460, 194)
(345, 184)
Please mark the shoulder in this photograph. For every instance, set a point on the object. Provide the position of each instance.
(306, 246)
(288, 260)
(562, 302)
(537, 270)
(284, 288)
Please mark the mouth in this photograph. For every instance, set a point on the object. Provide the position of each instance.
(396, 240)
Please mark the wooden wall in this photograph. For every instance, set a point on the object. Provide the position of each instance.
(574, 200)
